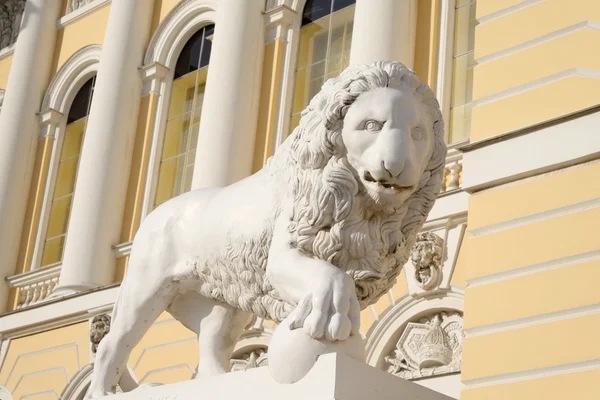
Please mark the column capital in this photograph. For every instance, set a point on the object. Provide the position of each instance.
(152, 75)
(277, 20)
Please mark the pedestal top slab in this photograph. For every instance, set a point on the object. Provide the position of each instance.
(332, 377)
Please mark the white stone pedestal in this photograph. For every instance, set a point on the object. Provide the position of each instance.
(332, 377)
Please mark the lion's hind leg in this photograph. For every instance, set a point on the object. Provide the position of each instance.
(138, 306)
(217, 325)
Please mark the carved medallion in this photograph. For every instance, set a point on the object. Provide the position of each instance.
(433, 346)
(99, 328)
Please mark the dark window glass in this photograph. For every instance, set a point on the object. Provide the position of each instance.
(195, 53)
(82, 102)
(314, 10)
(317, 9)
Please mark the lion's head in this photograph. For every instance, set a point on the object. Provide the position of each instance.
(364, 167)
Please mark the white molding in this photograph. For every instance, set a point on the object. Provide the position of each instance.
(537, 217)
(539, 40)
(122, 249)
(277, 22)
(34, 276)
(564, 144)
(61, 92)
(153, 76)
(445, 60)
(178, 26)
(57, 313)
(81, 12)
(77, 386)
(525, 322)
(508, 10)
(534, 268)
(381, 335)
(447, 206)
(535, 373)
(7, 51)
(531, 85)
(81, 66)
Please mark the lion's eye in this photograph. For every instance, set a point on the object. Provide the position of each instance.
(417, 134)
(373, 126)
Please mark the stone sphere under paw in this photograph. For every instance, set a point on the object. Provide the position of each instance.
(293, 353)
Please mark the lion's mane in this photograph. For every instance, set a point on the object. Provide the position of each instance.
(333, 219)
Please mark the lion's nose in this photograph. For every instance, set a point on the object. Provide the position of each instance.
(393, 167)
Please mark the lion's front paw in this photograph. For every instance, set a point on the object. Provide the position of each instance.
(330, 309)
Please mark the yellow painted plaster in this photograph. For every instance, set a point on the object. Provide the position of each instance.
(426, 48)
(167, 346)
(544, 292)
(459, 275)
(34, 203)
(580, 386)
(543, 193)
(532, 244)
(531, 23)
(534, 106)
(487, 7)
(161, 10)
(269, 100)
(45, 361)
(139, 167)
(83, 32)
(546, 59)
(539, 346)
(5, 63)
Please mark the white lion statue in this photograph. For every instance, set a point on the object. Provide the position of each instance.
(321, 232)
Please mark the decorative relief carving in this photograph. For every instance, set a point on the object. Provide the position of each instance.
(426, 256)
(251, 359)
(433, 346)
(77, 4)
(11, 14)
(99, 328)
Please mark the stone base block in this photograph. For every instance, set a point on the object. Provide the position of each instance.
(333, 377)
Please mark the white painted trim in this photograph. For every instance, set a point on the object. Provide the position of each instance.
(164, 48)
(176, 28)
(537, 217)
(81, 12)
(519, 323)
(35, 276)
(564, 144)
(57, 313)
(540, 40)
(531, 374)
(445, 61)
(447, 206)
(534, 268)
(508, 10)
(122, 249)
(7, 51)
(382, 332)
(529, 86)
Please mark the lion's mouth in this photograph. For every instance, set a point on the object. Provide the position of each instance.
(367, 177)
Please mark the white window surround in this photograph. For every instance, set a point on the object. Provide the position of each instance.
(172, 34)
(382, 336)
(81, 12)
(56, 104)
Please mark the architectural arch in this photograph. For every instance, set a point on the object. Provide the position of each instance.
(80, 67)
(56, 104)
(384, 333)
(178, 26)
(77, 387)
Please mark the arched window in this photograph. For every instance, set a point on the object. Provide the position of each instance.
(462, 71)
(324, 51)
(64, 186)
(181, 136)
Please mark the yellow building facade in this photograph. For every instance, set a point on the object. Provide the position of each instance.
(514, 229)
